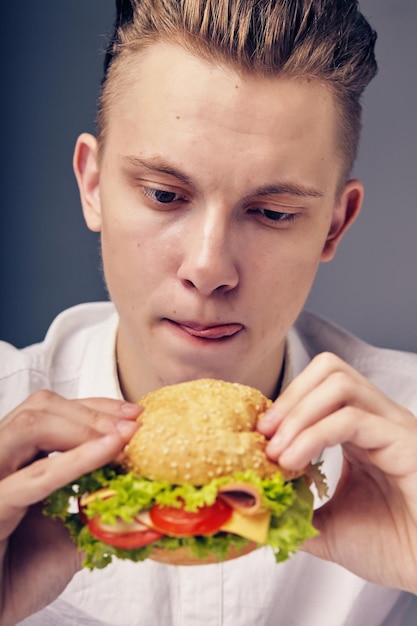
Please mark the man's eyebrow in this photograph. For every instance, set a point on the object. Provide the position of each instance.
(288, 189)
(157, 164)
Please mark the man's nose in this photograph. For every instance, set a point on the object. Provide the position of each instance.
(209, 262)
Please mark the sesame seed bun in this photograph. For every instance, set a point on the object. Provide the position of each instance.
(195, 431)
(191, 435)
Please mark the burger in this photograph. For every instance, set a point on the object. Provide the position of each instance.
(192, 486)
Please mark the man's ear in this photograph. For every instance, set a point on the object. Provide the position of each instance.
(85, 163)
(345, 213)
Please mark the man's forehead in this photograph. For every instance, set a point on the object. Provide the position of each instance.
(166, 74)
(170, 100)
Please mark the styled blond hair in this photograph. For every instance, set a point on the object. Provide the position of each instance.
(326, 40)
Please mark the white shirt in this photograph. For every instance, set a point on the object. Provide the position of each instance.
(77, 359)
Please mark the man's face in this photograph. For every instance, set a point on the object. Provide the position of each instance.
(217, 199)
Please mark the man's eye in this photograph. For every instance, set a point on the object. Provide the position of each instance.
(161, 195)
(275, 216)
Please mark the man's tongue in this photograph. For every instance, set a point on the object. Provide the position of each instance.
(213, 332)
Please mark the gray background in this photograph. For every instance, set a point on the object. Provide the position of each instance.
(51, 69)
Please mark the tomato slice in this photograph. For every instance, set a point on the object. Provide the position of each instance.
(179, 523)
(120, 536)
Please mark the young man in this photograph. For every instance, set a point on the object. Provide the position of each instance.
(219, 181)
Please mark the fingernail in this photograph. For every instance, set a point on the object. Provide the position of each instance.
(267, 418)
(127, 429)
(290, 457)
(128, 408)
(275, 445)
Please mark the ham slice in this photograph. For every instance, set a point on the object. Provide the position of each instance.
(241, 497)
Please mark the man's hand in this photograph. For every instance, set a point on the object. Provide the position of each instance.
(370, 524)
(37, 557)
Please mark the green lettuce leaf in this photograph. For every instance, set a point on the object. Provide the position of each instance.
(288, 531)
(290, 504)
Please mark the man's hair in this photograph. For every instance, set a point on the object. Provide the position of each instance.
(326, 40)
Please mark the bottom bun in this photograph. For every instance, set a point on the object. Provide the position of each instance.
(185, 556)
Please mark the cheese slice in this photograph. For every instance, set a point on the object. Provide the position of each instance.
(101, 494)
(252, 527)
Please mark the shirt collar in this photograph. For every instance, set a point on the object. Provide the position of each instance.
(296, 357)
(98, 375)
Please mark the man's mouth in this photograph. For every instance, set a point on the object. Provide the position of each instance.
(212, 332)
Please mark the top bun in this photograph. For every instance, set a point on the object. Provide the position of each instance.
(195, 431)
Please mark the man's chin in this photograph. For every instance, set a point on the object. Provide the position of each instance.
(181, 374)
